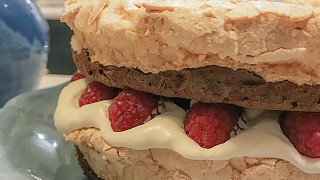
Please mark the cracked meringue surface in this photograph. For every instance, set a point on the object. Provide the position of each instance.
(276, 40)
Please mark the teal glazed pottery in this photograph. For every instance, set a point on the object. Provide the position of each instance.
(24, 41)
(30, 146)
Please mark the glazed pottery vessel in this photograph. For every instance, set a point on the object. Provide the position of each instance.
(24, 41)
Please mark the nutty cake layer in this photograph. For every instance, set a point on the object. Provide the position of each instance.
(211, 84)
(85, 166)
(276, 40)
(101, 160)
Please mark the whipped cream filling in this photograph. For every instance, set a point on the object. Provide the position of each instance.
(263, 138)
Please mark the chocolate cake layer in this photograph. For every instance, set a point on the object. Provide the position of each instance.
(211, 84)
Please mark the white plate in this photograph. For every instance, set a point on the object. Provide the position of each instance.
(30, 147)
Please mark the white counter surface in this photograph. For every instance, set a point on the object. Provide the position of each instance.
(51, 12)
(51, 80)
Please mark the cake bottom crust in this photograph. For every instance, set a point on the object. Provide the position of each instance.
(85, 165)
(103, 161)
(211, 84)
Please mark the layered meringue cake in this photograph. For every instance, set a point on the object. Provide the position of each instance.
(194, 89)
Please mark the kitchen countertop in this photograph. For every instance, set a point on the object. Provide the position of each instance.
(51, 11)
(51, 80)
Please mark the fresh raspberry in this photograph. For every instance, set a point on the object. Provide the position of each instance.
(95, 92)
(303, 130)
(76, 76)
(131, 108)
(211, 124)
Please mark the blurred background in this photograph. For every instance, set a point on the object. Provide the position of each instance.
(60, 60)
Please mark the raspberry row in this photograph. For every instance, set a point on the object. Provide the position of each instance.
(207, 124)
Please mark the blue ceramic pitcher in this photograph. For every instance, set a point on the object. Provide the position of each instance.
(24, 41)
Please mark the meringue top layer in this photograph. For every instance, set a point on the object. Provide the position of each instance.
(276, 40)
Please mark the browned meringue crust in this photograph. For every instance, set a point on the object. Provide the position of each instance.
(277, 41)
(211, 84)
(85, 165)
(122, 163)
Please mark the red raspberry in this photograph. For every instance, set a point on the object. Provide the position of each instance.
(76, 76)
(303, 130)
(211, 124)
(95, 92)
(131, 108)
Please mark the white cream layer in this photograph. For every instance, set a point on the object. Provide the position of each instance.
(264, 138)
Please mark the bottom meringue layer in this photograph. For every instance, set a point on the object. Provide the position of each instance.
(263, 138)
(109, 162)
